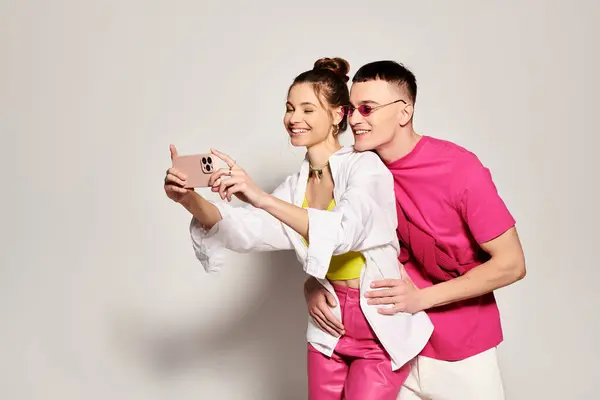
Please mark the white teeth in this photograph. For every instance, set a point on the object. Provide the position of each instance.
(299, 130)
(360, 131)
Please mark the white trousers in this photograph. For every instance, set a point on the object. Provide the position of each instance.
(474, 378)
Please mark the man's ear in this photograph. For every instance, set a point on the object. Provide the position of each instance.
(406, 114)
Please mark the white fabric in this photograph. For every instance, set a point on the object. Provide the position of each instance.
(364, 219)
(474, 378)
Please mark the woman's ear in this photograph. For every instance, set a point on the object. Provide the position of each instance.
(338, 115)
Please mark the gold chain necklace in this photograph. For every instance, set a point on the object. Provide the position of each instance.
(318, 172)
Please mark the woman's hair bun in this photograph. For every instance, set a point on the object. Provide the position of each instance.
(337, 65)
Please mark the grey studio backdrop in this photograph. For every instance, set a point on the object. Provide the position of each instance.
(100, 294)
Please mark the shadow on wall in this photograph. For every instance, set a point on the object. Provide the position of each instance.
(270, 333)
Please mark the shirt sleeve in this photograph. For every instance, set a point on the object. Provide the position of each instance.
(481, 207)
(241, 229)
(364, 216)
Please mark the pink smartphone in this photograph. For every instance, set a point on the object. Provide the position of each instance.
(198, 168)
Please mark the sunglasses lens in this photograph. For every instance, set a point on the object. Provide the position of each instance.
(365, 110)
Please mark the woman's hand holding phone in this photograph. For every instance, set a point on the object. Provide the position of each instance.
(234, 181)
(200, 170)
(176, 182)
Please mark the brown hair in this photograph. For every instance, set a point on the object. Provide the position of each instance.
(329, 77)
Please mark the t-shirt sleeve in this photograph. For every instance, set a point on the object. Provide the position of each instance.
(481, 207)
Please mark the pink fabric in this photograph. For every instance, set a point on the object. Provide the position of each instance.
(447, 205)
(359, 368)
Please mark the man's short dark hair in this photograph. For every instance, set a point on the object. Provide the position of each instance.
(389, 71)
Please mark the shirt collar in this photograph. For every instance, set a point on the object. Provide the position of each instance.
(334, 163)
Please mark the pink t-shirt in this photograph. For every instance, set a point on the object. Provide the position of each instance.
(448, 194)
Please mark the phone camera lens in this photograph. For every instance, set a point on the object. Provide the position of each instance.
(203, 160)
(208, 167)
(209, 160)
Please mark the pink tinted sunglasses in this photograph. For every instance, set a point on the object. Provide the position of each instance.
(366, 110)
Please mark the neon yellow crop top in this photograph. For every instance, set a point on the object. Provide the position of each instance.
(342, 267)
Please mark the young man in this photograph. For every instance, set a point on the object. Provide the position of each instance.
(458, 238)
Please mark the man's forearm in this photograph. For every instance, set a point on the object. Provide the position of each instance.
(483, 279)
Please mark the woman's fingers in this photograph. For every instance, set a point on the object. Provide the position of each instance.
(177, 173)
(174, 189)
(239, 187)
(225, 184)
(173, 179)
(228, 160)
(173, 151)
(215, 176)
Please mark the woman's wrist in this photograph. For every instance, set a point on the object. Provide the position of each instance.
(193, 204)
(266, 202)
(206, 213)
(190, 201)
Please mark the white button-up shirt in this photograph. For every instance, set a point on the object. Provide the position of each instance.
(364, 220)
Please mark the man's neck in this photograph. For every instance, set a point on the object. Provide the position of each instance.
(402, 143)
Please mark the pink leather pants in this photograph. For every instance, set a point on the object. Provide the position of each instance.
(359, 368)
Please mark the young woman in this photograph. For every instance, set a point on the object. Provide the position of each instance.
(338, 214)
